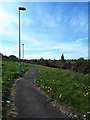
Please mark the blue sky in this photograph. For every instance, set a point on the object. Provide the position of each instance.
(47, 29)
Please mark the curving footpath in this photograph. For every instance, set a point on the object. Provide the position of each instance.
(30, 103)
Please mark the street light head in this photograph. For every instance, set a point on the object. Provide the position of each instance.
(22, 8)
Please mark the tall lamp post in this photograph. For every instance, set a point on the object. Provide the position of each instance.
(23, 9)
(23, 53)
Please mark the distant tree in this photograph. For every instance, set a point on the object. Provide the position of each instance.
(13, 58)
(62, 58)
(81, 58)
(82, 66)
(40, 61)
(43, 62)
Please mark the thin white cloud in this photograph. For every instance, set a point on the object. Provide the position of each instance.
(8, 50)
(81, 39)
(70, 50)
(79, 20)
(7, 23)
(45, 55)
(30, 40)
(48, 20)
(52, 55)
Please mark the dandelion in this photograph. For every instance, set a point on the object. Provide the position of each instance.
(85, 87)
(48, 90)
(8, 78)
(87, 93)
(46, 86)
(75, 115)
(84, 115)
(88, 112)
(1, 81)
(84, 95)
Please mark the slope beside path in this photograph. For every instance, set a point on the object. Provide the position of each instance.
(31, 103)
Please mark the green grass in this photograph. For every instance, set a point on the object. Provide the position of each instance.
(10, 71)
(66, 87)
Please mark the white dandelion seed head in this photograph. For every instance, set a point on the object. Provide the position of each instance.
(75, 115)
(84, 115)
(48, 90)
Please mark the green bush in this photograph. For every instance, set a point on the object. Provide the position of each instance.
(82, 66)
(13, 58)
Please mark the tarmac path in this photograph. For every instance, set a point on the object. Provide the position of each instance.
(31, 103)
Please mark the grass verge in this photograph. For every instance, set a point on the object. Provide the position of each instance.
(66, 87)
(10, 71)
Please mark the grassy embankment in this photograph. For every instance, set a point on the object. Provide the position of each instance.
(10, 71)
(66, 87)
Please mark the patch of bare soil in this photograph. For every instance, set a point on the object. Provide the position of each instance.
(13, 112)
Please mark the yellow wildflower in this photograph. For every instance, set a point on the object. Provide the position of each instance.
(1, 81)
(87, 93)
(8, 78)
